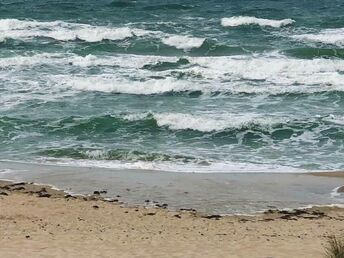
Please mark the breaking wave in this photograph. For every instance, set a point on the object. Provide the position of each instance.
(183, 42)
(147, 75)
(151, 121)
(327, 36)
(248, 20)
(238, 74)
(65, 31)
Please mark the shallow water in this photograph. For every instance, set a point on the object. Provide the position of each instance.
(210, 193)
(189, 86)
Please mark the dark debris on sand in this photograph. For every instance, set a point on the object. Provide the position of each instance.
(297, 214)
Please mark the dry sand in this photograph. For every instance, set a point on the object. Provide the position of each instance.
(36, 221)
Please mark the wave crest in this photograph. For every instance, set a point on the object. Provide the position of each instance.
(327, 36)
(248, 20)
(118, 154)
(206, 123)
(146, 75)
(65, 31)
(183, 42)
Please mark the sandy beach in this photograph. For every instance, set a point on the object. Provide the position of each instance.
(171, 129)
(339, 174)
(37, 221)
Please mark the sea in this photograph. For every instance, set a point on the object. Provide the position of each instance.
(177, 86)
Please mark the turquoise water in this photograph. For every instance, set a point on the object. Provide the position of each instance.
(201, 86)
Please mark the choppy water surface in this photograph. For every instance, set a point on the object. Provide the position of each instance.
(204, 86)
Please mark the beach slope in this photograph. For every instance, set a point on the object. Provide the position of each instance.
(37, 221)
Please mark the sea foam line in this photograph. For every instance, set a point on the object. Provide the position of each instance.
(214, 167)
(248, 20)
(207, 122)
(65, 31)
(327, 36)
(260, 74)
(240, 74)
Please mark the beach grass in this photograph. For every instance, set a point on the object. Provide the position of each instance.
(335, 247)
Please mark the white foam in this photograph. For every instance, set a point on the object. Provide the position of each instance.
(183, 42)
(337, 119)
(248, 20)
(111, 83)
(291, 75)
(238, 74)
(97, 154)
(260, 74)
(335, 192)
(214, 167)
(333, 205)
(5, 171)
(64, 31)
(29, 61)
(208, 122)
(179, 121)
(124, 61)
(137, 116)
(327, 36)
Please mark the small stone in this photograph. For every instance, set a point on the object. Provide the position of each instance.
(16, 184)
(163, 206)
(111, 200)
(3, 193)
(95, 206)
(187, 209)
(217, 217)
(288, 217)
(19, 188)
(269, 211)
(45, 195)
(340, 189)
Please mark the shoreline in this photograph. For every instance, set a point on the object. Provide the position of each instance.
(219, 193)
(49, 221)
(339, 174)
(32, 188)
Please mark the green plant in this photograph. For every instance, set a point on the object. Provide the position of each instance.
(335, 248)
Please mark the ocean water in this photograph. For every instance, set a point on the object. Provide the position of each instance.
(188, 86)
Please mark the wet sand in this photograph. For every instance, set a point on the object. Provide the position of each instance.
(329, 174)
(37, 221)
(214, 193)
